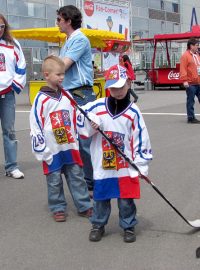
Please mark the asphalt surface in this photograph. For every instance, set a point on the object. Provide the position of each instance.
(31, 240)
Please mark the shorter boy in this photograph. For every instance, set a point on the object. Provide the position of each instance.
(54, 142)
(121, 120)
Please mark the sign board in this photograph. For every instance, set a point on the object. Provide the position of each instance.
(166, 76)
(110, 17)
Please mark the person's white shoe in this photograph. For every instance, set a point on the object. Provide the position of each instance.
(16, 174)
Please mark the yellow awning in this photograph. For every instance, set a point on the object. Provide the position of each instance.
(53, 34)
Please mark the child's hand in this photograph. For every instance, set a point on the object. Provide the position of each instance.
(94, 120)
(94, 125)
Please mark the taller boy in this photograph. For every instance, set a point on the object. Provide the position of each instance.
(54, 141)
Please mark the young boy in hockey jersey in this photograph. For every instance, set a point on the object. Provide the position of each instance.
(54, 142)
(122, 121)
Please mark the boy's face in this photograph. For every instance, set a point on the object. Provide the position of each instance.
(55, 77)
(119, 93)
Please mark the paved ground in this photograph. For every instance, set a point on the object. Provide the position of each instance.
(31, 240)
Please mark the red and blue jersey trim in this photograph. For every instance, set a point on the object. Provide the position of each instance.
(117, 187)
(62, 158)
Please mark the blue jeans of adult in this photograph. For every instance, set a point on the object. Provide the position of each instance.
(84, 148)
(127, 213)
(77, 187)
(191, 92)
(7, 116)
(84, 145)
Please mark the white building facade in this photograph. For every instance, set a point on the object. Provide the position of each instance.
(147, 17)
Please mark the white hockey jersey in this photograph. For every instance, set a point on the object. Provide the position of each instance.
(114, 177)
(53, 131)
(12, 67)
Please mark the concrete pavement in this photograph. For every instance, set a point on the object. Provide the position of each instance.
(30, 239)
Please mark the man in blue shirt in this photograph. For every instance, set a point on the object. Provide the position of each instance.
(77, 56)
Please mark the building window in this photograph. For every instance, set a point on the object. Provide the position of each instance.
(22, 8)
(140, 3)
(162, 5)
(163, 27)
(30, 9)
(3, 6)
(156, 4)
(175, 8)
(176, 28)
(18, 22)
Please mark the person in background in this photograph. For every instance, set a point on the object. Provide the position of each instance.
(54, 142)
(125, 61)
(95, 69)
(12, 80)
(77, 56)
(122, 121)
(190, 75)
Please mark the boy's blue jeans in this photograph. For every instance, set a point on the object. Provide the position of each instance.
(191, 92)
(127, 213)
(77, 187)
(7, 116)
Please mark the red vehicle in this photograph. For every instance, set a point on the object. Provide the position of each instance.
(168, 74)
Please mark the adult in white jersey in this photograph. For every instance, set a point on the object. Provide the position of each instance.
(12, 80)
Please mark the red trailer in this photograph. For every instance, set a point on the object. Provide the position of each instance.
(168, 74)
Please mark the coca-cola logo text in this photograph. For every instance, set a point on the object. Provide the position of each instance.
(89, 8)
(173, 75)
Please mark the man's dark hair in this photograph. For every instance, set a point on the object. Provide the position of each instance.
(72, 13)
(192, 41)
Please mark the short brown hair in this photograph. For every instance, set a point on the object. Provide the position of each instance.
(49, 63)
(192, 41)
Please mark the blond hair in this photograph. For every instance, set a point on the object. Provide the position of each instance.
(49, 63)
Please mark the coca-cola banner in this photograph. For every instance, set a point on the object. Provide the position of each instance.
(103, 16)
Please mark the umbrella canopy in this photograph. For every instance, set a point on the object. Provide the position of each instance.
(52, 34)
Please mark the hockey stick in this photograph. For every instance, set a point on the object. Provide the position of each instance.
(194, 223)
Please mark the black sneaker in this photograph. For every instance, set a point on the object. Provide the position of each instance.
(96, 233)
(129, 235)
(193, 121)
